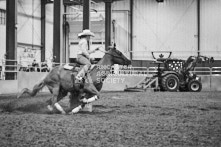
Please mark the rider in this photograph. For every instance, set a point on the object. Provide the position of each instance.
(83, 53)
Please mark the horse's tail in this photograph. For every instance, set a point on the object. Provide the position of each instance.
(34, 91)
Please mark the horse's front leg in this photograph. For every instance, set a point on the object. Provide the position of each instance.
(90, 100)
(57, 96)
(76, 99)
(91, 89)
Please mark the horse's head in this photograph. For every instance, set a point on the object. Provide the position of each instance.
(118, 57)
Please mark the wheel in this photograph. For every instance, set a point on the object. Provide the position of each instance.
(170, 83)
(194, 86)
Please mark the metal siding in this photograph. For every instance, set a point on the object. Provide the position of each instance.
(29, 21)
(121, 5)
(120, 10)
(49, 32)
(2, 41)
(2, 34)
(3, 5)
(121, 31)
(167, 26)
(211, 28)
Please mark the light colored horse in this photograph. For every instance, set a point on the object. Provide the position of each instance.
(60, 81)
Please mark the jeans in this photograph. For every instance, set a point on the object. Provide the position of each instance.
(83, 61)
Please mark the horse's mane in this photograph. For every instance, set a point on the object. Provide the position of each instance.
(93, 68)
(97, 63)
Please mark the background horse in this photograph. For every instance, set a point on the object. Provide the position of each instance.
(60, 81)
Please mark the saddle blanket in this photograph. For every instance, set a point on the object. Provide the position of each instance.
(68, 67)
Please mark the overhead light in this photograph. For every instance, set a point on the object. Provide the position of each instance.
(72, 2)
(49, 1)
(159, 1)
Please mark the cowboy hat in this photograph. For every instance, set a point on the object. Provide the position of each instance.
(86, 33)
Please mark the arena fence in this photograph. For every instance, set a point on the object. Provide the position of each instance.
(116, 80)
(14, 66)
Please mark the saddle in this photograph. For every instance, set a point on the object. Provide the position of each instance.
(72, 66)
(75, 68)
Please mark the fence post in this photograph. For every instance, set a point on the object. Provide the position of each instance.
(3, 68)
(210, 79)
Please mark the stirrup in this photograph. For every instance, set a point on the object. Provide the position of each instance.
(79, 78)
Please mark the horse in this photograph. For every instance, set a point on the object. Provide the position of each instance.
(61, 81)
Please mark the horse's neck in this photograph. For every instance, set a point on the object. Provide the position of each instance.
(102, 69)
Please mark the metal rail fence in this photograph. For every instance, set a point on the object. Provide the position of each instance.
(13, 66)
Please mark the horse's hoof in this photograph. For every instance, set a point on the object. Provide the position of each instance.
(72, 113)
(18, 96)
(50, 108)
(64, 113)
(84, 100)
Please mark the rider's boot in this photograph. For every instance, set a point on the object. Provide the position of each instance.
(82, 72)
(79, 77)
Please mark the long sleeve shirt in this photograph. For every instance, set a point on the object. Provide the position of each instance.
(83, 48)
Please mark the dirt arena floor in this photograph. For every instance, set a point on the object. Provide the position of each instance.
(119, 119)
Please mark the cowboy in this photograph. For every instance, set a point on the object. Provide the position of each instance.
(83, 53)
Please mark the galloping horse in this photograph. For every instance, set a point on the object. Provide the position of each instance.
(60, 81)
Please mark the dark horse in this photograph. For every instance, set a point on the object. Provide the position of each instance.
(60, 81)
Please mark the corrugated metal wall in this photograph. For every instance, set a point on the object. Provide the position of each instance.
(121, 35)
(2, 33)
(211, 28)
(29, 21)
(49, 32)
(121, 16)
(29, 28)
(2, 41)
(167, 26)
(3, 5)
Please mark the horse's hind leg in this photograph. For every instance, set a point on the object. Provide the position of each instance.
(62, 94)
(57, 96)
(49, 102)
(57, 105)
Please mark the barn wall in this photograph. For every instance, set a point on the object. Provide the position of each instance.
(2, 41)
(211, 28)
(29, 30)
(49, 32)
(167, 26)
(29, 22)
(120, 13)
(3, 5)
(121, 35)
(2, 33)
(170, 26)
